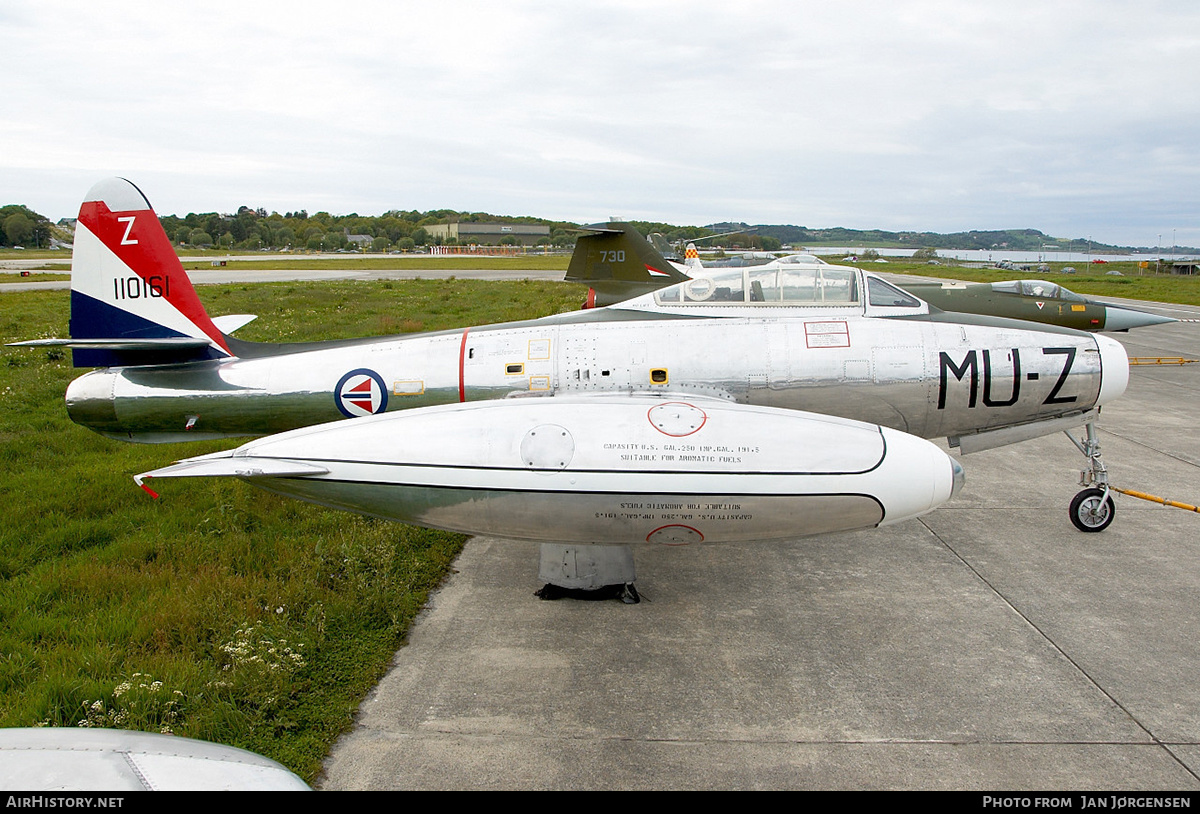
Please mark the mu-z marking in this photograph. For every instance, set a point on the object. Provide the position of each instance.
(969, 367)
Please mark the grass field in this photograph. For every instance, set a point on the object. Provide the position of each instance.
(531, 262)
(218, 612)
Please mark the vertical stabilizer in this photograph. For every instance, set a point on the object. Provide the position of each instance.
(618, 263)
(131, 301)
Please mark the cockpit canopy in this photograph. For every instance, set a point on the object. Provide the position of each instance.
(1037, 288)
(791, 282)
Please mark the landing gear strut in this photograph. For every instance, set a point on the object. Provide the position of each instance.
(1093, 508)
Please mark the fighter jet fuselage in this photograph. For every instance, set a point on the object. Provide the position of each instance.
(917, 375)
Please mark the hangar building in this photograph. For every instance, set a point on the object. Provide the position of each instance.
(487, 233)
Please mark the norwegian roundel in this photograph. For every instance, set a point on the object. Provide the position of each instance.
(361, 392)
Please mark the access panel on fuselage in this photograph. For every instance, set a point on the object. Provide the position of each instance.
(496, 362)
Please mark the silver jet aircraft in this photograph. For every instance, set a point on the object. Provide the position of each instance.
(819, 355)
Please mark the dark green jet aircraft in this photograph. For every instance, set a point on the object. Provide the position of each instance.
(617, 264)
(1035, 301)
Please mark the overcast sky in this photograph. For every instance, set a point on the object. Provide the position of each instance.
(1077, 118)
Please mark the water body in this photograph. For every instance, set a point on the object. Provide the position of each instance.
(989, 256)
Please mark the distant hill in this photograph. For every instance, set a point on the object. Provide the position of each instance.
(999, 240)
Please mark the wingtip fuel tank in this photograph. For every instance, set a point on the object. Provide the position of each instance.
(616, 470)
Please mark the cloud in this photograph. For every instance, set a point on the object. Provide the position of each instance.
(1073, 117)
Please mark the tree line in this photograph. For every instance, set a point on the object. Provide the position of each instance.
(21, 226)
(250, 229)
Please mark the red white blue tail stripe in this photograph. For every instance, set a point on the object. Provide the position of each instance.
(130, 297)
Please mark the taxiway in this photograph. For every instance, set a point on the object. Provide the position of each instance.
(986, 646)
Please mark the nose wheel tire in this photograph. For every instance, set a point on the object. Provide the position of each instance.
(1092, 511)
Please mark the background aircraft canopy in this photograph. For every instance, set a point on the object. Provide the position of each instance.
(1037, 288)
(800, 259)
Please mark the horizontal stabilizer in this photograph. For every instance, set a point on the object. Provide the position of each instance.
(226, 325)
(231, 322)
(165, 343)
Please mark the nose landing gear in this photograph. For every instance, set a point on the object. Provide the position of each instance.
(1092, 509)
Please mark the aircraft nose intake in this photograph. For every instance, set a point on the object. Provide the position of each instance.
(1114, 369)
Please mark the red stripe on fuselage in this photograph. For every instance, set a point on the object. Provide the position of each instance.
(143, 246)
(462, 360)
